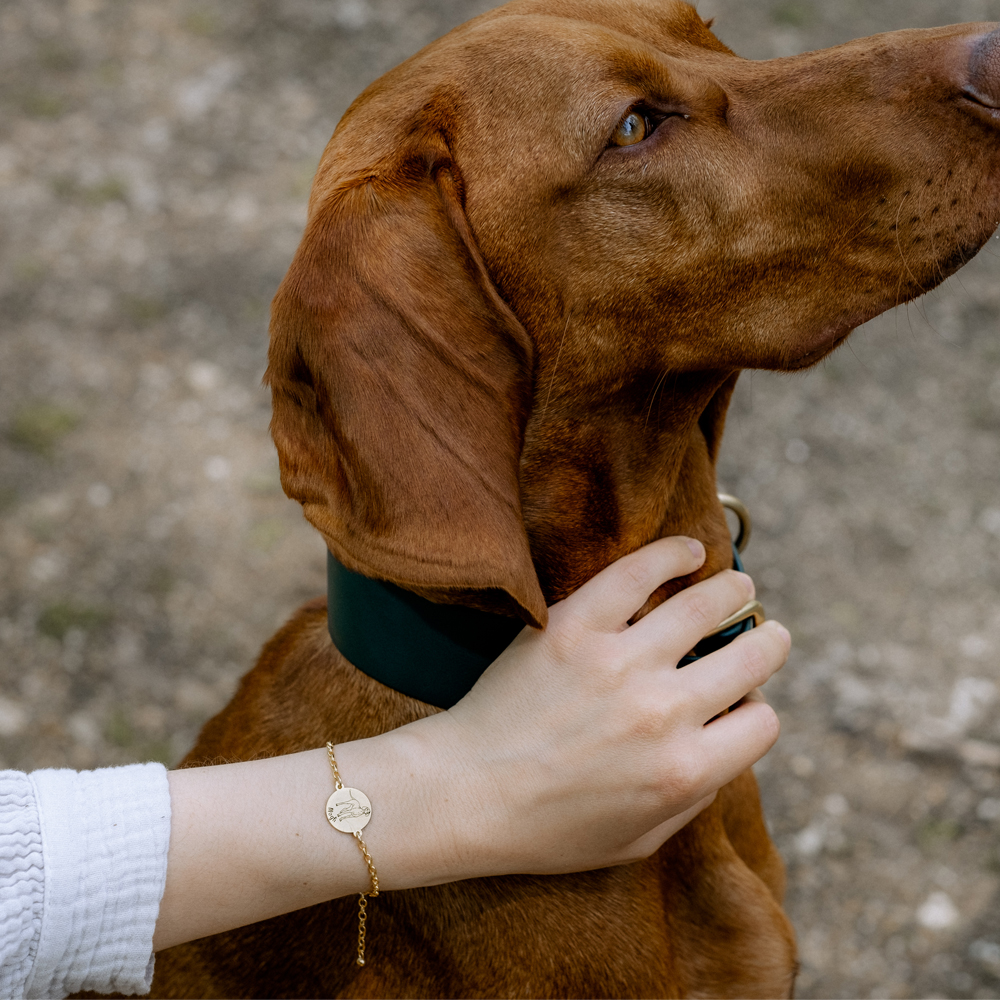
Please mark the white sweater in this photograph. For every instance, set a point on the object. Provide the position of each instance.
(83, 863)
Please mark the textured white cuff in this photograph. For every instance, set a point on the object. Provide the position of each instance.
(22, 882)
(105, 836)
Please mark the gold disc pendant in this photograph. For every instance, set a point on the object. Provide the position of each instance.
(348, 810)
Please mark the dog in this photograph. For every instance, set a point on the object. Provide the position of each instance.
(538, 255)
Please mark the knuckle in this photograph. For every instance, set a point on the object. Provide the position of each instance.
(635, 573)
(755, 663)
(685, 779)
(701, 611)
(761, 655)
(647, 723)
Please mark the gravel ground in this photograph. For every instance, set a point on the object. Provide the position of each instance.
(155, 159)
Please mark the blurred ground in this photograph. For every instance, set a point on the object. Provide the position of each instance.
(155, 159)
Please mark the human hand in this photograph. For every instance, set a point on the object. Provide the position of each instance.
(583, 746)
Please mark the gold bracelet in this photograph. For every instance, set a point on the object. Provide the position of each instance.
(349, 810)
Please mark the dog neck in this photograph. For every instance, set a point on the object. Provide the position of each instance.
(599, 481)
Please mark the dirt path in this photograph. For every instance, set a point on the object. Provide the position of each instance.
(155, 158)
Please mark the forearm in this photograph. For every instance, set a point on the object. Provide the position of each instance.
(251, 840)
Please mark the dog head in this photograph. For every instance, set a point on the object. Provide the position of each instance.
(539, 252)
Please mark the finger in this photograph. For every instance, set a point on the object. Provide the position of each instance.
(618, 591)
(678, 624)
(654, 840)
(736, 741)
(729, 674)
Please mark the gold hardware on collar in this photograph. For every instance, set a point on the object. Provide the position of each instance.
(743, 515)
(752, 609)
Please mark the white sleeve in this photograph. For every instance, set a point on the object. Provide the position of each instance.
(22, 882)
(83, 862)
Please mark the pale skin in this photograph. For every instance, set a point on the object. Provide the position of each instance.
(531, 772)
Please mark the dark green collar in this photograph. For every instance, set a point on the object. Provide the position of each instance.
(432, 652)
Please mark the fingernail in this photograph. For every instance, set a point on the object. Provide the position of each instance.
(747, 582)
(697, 549)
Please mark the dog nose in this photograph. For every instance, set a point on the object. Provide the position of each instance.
(984, 70)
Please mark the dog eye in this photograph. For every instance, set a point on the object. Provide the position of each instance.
(640, 122)
(633, 128)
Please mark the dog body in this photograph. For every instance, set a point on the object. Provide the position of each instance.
(501, 359)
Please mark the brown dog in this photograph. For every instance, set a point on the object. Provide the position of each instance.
(538, 255)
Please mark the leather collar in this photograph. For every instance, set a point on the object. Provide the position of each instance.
(436, 652)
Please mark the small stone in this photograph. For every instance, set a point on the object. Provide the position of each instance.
(938, 912)
(809, 841)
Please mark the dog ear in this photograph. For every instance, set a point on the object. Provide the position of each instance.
(401, 384)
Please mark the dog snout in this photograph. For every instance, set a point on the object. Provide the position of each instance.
(983, 84)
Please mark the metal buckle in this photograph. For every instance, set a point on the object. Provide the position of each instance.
(752, 609)
(743, 515)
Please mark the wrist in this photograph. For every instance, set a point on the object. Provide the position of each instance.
(427, 821)
(397, 773)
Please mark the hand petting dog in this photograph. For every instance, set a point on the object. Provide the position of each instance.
(581, 747)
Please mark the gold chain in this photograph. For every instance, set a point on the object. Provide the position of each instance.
(337, 783)
(371, 865)
(372, 873)
(362, 920)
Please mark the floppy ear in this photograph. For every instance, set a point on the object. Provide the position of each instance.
(401, 383)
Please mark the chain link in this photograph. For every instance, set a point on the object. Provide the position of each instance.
(362, 920)
(368, 861)
(337, 783)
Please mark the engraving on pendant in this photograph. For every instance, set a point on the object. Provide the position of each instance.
(348, 810)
